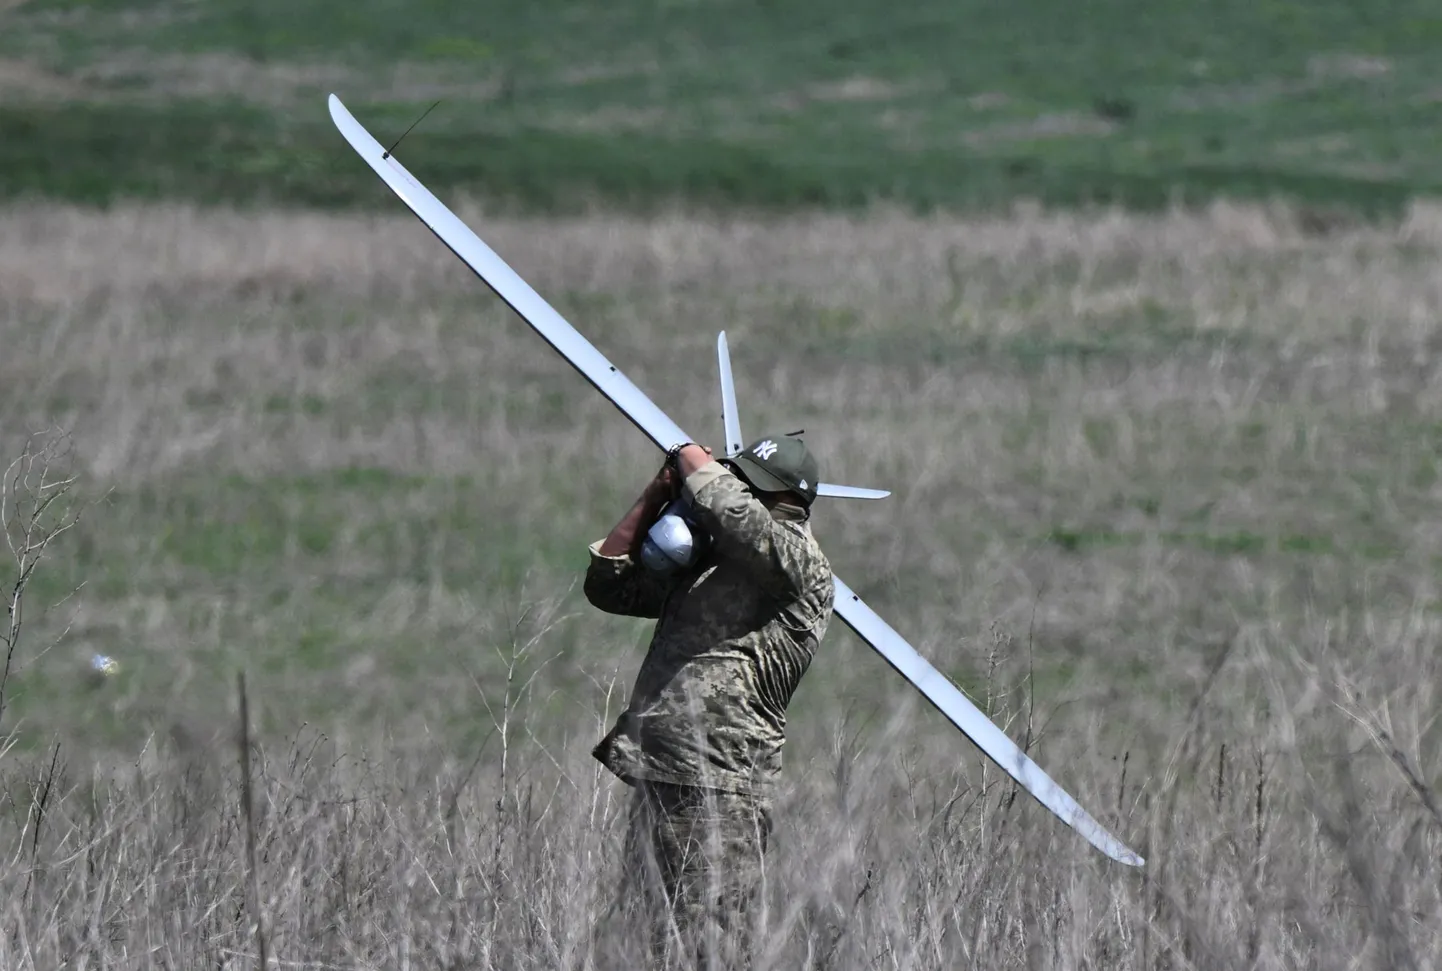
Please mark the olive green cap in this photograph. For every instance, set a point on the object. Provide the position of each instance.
(778, 463)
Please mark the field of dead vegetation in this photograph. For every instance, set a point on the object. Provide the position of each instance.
(1164, 503)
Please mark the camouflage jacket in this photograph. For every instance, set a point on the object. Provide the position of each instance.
(733, 637)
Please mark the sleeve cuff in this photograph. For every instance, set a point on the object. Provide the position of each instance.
(595, 549)
(703, 477)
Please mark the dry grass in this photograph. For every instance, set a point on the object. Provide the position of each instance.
(1296, 849)
(1163, 486)
(142, 74)
(19, 79)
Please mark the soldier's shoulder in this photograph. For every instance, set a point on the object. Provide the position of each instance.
(820, 564)
(803, 530)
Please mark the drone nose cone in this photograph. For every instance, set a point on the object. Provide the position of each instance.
(670, 544)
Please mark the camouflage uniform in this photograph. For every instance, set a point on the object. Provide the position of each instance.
(701, 738)
(693, 870)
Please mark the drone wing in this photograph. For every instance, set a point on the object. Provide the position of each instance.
(834, 491)
(960, 711)
(634, 404)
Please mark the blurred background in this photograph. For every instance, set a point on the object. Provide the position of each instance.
(1133, 305)
(552, 105)
(1094, 289)
(1058, 275)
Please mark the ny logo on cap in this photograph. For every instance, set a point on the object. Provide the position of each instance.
(765, 450)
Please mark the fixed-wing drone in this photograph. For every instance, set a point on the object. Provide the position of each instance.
(664, 433)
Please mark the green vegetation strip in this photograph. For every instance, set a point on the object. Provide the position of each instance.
(769, 104)
(248, 155)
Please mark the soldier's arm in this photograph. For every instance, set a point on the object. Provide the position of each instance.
(615, 581)
(620, 585)
(784, 561)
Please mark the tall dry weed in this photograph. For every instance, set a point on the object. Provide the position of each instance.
(1300, 849)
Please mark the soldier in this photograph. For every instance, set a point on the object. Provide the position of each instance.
(700, 740)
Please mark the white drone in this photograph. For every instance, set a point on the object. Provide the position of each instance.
(664, 433)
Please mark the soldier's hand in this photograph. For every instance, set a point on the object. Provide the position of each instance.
(662, 488)
(692, 457)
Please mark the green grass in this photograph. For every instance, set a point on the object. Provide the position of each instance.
(100, 154)
(771, 105)
(332, 458)
(295, 577)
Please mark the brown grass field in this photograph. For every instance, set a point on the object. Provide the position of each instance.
(1164, 503)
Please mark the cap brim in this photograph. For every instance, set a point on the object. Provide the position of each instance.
(755, 473)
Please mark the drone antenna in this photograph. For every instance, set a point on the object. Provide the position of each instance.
(387, 153)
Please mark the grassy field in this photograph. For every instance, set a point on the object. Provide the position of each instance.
(1163, 500)
(556, 105)
(330, 453)
(1164, 475)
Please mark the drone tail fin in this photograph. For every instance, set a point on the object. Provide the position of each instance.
(730, 419)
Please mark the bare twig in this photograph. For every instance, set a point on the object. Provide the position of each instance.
(1376, 727)
(248, 810)
(40, 801)
(36, 509)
